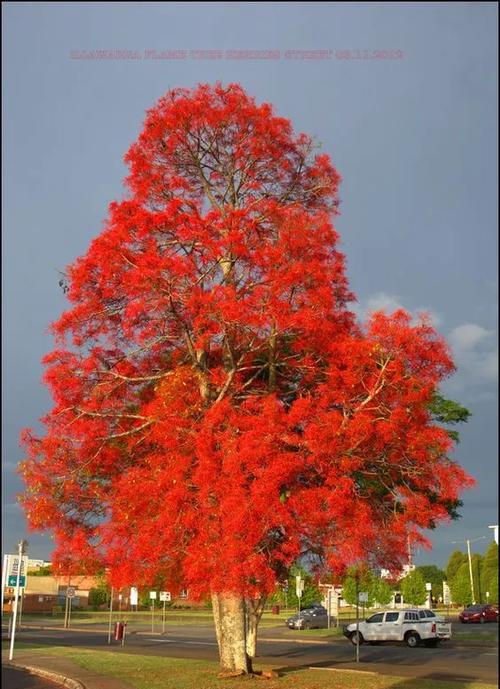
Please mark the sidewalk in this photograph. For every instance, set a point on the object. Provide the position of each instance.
(63, 671)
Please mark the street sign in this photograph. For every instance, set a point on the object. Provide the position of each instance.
(165, 596)
(428, 586)
(11, 566)
(70, 592)
(299, 585)
(152, 595)
(363, 597)
(332, 603)
(446, 594)
(134, 596)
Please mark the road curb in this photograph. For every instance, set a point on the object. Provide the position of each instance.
(341, 669)
(56, 677)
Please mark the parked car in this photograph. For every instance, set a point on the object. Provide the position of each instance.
(479, 613)
(309, 618)
(398, 625)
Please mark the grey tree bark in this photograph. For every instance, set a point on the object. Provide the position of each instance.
(230, 629)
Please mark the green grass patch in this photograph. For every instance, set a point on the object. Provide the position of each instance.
(153, 672)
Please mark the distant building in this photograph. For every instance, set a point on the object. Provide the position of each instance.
(37, 564)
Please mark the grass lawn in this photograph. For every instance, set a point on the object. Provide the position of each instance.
(152, 672)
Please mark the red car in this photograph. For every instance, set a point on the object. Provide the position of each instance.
(479, 613)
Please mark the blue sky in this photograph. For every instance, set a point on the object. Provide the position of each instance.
(414, 138)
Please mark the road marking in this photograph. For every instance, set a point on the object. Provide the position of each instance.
(179, 641)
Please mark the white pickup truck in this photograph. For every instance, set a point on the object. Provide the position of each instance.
(410, 626)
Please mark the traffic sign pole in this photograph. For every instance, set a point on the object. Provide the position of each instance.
(21, 547)
(163, 621)
(110, 614)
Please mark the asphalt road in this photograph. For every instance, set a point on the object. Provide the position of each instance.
(13, 678)
(286, 653)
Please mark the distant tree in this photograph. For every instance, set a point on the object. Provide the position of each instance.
(41, 571)
(434, 576)
(413, 588)
(381, 591)
(98, 597)
(457, 559)
(365, 584)
(476, 562)
(311, 593)
(460, 585)
(489, 573)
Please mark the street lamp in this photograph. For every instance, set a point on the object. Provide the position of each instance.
(469, 541)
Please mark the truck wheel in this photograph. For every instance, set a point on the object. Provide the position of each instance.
(354, 636)
(432, 643)
(412, 639)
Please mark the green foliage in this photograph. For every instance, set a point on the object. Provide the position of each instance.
(100, 594)
(433, 575)
(448, 413)
(476, 561)
(98, 597)
(413, 588)
(381, 591)
(365, 583)
(460, 585)
(489, 573)
(457, 559)
(41, 571)
(289, 598)
(492, 587)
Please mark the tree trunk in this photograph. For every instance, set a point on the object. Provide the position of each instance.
(255, 608)
(229, 618)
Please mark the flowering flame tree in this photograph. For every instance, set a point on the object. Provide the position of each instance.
(218, 410)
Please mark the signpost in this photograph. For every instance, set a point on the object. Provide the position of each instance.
(332, 606)
(428, 588)
(21, 549)
(357, 617)
(446, 598)
(164, 596)
(70, 594)
(110, 614)
(363, 598)
(134, 597)
(285, 591)
(299, 587)
(152, 596)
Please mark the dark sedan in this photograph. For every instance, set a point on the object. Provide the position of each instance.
(479, 613)
(310, 618)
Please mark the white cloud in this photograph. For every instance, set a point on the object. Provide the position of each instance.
(12, 508)
(9, 466)
(381, 301)
(475, 352)
(474, 347)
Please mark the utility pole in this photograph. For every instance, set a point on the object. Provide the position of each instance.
(469, 556)
(470, 574)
